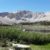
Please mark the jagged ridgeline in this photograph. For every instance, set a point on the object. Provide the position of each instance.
(26, 17)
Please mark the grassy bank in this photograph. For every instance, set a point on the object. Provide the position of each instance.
(40, 47)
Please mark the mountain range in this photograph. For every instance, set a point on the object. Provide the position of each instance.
(24, 16)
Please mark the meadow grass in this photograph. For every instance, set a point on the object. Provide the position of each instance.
(40, 47)
(15, 32)
(42, 40)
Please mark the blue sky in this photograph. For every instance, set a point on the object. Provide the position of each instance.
(32, 5)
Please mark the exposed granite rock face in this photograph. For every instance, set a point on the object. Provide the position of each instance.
(23, 16)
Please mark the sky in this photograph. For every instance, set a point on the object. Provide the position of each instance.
(31, 5)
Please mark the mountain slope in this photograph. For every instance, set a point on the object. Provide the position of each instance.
(23, 16)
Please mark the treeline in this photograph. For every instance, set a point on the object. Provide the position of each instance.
(43, 23)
